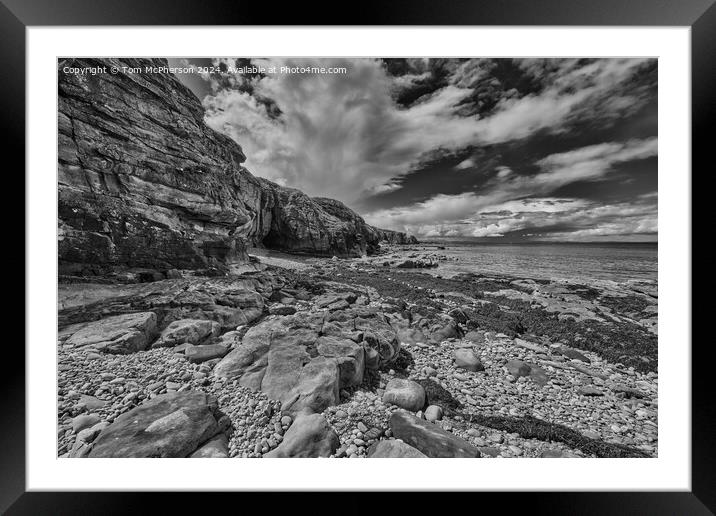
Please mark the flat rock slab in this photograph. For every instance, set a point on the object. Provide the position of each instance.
(169, 425)
(393, 449)
(229, 301)
(406, 394)
(429, 438)
(310, 435)
(187, 331)
(119, 334)
(199, 354)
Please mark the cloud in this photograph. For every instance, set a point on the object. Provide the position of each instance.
(503, 172)
(465, 164)
(344, 135)
(511, 203)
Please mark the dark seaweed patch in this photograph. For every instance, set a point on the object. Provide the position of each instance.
(530, 427)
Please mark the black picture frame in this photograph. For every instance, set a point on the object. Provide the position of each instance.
(699, 15)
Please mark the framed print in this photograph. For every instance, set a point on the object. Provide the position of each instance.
(255, 252)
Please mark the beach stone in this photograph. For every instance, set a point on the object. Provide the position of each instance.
(169, 425)
(84, 421)
(310, 435)
(89, 434)
(627, 391)
(466, 359)
(429, 438)
(89, 403)
(588, 390)
(199, 354)
(411, 336)
(475, 337)
(434, 413)
(517, 369)
(119, 334)
(191, 331)
(573, 354)
(216, 447)
(406, 394)
(395, 449)
(443, 332)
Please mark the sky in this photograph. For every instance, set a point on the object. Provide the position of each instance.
(495, 149)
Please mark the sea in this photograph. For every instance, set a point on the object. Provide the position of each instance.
(619, 262)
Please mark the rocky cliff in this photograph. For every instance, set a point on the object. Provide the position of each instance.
(143, 182)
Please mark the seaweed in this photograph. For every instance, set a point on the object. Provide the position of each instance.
(625, 304)
(530, 427)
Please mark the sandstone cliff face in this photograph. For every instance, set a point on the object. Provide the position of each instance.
(143, 182)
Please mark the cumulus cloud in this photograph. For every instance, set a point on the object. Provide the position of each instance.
(344, 135)
(503, 172)
(465, 164)
(513, 203)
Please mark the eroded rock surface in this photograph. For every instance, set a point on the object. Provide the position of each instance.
(170, 425)
(429, 438)
(310, 435)
(119, 334)
(143, 182)
(303, 360)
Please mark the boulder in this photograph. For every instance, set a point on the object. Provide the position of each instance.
(310, 435)
(429, 438)
(393, 449)
(169, 425)
(411, 336)
(89, 403)
(215, 448)
(406, 394)
(349, 355)
(433, 413)
(303, 360)
(466, 359)
(84, 421)
(517, 368)
(119, 334)
(187, 331)
(475, 337)
(88, 435)
(535, 373)
(199, 354)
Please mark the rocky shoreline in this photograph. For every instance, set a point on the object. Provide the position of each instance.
(362, 357)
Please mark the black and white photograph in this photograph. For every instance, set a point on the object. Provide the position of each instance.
(357, 257)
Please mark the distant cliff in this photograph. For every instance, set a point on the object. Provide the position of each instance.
(143, 182)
